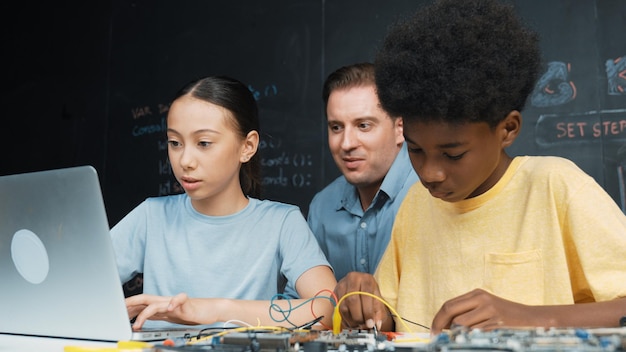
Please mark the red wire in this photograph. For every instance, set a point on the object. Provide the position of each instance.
(332, 294)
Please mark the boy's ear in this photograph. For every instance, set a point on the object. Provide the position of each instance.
(510, 128)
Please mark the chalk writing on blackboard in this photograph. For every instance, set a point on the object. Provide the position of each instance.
(554, 87)
(142, 111)
(140, 130)
(263, 92)
(284, 167)
(616, 75)
(593, 126)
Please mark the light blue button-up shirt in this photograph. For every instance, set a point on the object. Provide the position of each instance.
(354, 240)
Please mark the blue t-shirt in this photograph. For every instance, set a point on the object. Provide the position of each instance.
(239, 256)
(354, 240)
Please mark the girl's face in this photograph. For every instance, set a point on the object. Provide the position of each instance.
(205, 151)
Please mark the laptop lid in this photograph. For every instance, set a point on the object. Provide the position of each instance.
(57, 265)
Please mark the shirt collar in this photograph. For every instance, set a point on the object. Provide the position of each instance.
(391, 186)
(395, 178)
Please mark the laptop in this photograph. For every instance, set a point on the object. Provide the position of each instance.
(57, 265)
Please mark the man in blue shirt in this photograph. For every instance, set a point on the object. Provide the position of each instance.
(352, 217)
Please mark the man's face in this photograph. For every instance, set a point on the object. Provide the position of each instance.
(363, 139)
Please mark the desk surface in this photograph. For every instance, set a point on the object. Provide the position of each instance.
(19, 343)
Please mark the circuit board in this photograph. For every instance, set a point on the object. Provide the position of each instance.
(459, 340)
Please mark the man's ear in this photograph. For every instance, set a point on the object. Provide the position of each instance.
(398, 125)
(510, 128)
(250, 146)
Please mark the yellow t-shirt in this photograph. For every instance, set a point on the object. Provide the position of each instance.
(545, 234)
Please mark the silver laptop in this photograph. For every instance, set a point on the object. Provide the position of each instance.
(57, 265)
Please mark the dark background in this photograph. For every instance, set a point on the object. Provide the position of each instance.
(89, 82)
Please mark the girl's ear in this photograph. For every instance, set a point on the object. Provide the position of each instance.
(249, 147)
(510, 128)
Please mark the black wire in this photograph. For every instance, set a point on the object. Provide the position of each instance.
(212, 330)
(412, 322)
(307, 326)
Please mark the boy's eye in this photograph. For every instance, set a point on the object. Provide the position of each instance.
(413, 150)
(455, 157)
(364, 125)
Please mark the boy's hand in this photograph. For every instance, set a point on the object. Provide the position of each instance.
(480, 309)
(362, 311)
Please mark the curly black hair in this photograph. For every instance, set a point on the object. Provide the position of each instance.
(458, 61)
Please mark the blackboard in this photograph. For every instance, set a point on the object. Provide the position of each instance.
(55, 68)
(274, 48)
(578, 109)
(93, 85)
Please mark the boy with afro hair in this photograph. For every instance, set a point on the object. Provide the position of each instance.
(485, 240)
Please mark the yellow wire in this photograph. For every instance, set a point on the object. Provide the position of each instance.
(336, 322)
(337, 315)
